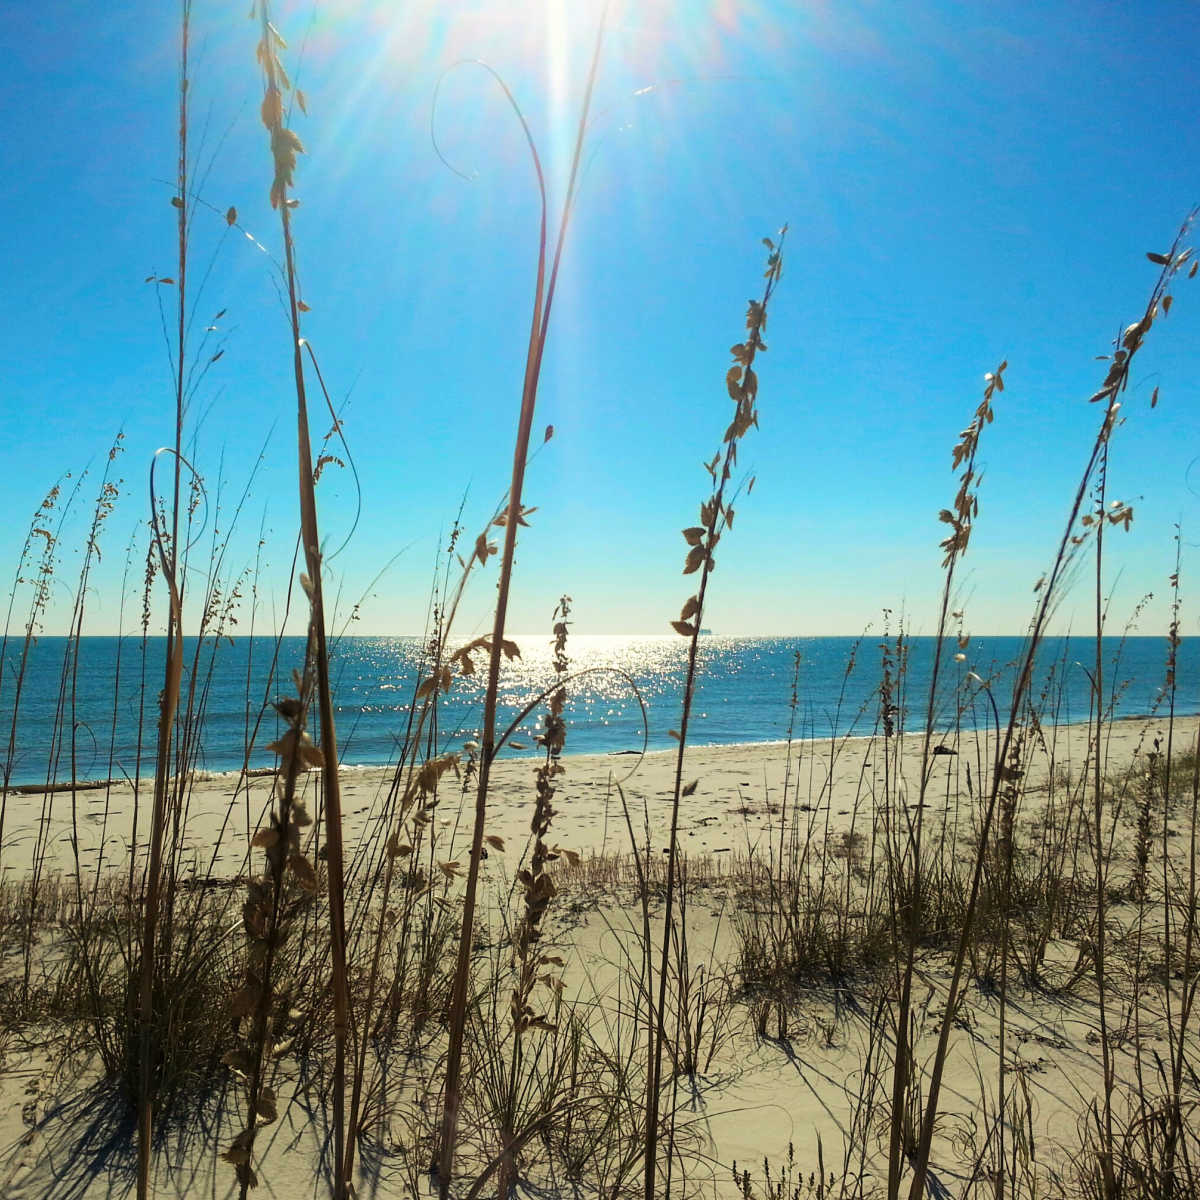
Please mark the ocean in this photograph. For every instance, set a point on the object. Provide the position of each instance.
(626, 693)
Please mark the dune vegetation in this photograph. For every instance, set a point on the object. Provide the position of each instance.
(459, 997)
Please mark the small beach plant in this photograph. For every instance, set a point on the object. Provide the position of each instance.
(166, 538)
(907, 867)
(544, 293)
(716, 517)
(1079, 520)
(267, 921)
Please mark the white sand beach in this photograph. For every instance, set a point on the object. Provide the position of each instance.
(758, 1094)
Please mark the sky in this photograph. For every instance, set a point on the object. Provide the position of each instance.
(964, 183)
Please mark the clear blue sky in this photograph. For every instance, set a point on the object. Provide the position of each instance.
(965, 182)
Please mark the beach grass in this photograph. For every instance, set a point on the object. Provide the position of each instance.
(888, 981)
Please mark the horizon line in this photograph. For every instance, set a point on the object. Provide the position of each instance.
(543, 633)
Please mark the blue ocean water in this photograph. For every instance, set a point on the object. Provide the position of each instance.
(744, 694)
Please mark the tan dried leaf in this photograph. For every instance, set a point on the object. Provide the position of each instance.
(733, 382)
(310, 755)
(289, 143)
(272, 108)
(289, 708)
(266, 1107)
(284, 746)
(306, 877)
(264, 839)
(690, 788)
(683, 629)
(1133, 335)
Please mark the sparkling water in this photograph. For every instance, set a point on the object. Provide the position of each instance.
(625, 692)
